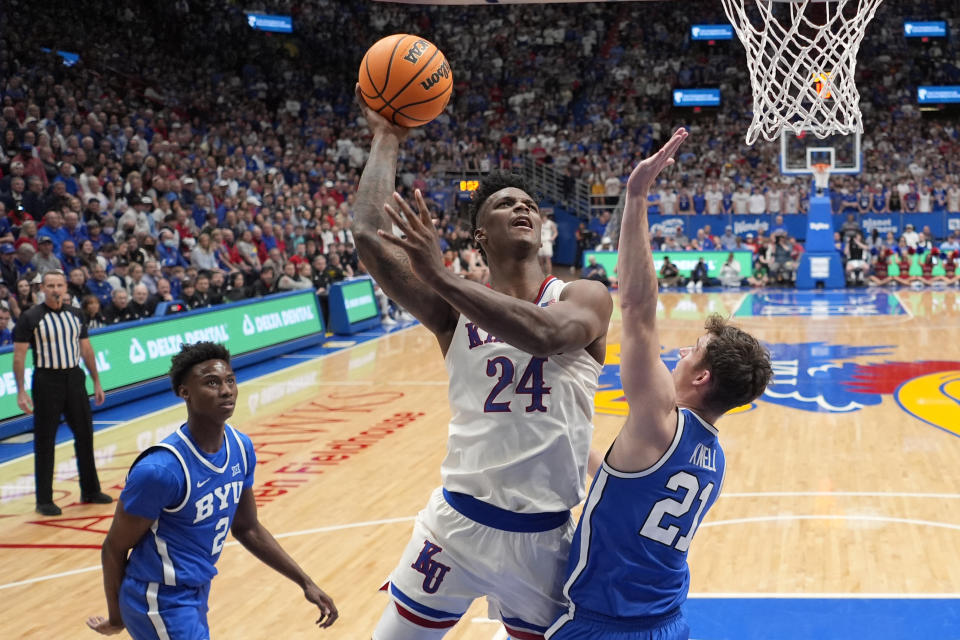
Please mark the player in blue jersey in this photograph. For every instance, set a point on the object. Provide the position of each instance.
(181, 498)
(627, 574)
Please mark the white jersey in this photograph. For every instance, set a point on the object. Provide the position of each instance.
(792, 202)
(521, 426)
(953, 200)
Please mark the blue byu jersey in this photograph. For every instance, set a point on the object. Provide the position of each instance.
(629, 554)
(191, 496)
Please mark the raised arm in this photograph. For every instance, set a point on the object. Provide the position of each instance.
(577, 321)
(647, 383)
(389, 265)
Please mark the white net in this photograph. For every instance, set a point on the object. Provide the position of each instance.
(802, 56)
(821, 176)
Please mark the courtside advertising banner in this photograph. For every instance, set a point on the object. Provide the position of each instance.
(685, 261)
(139, 351)
(359, 301)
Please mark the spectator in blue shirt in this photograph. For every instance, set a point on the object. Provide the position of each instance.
(699, 201)
(66, 177)
(269, 240)
(778, 226)
(6, 326)
(91, 232)
(168, 254)
(594, 271)
(53, 228)
(951, 244)
(72, 228)
(69, 258)
(8, 270)
(653, 203)
(99, 286)
(598, 225)
(729, 239)
(106, 234)
(24, 258)
(200, 210)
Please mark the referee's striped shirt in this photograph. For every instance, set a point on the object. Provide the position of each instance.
(54, 335)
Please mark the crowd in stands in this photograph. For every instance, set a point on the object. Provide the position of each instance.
(187, 158)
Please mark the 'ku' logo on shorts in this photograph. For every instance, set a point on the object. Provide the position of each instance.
(432, 570)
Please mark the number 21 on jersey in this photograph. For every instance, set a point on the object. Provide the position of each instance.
(666, 535)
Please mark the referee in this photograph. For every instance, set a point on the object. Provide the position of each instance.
(59, 338)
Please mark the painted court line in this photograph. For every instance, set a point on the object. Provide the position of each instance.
(242, 384)
(718, 523)
(824, 596)
(853, 494)
(789, 517)
(903, 305)
(743, 298)
(336, 527)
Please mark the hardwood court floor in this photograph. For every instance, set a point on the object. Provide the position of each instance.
(844, 479)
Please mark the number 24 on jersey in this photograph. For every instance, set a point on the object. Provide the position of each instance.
(531, 383)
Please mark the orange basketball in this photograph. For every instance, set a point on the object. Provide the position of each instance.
(406, 79)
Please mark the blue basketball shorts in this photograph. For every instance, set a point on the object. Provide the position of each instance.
(152, 611)
(586, 627)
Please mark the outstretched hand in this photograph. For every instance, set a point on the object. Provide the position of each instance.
(419, 239)
(643, 175)
(328, 610)
(377, 123)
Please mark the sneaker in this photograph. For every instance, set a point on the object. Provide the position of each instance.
(699, 285)
(48, 509)
(96, 498)
(690, 285)
(387, 321)
(406, 317)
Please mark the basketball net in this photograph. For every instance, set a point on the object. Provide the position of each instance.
(821, 176)
(802, 70)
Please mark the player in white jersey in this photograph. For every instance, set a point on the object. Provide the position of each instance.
(548, 235)
(953, 197)
(524, 355)
(628, 571)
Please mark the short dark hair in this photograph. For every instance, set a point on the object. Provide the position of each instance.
(190, 356)
(52, 272)
(739, 365)
(495, 181)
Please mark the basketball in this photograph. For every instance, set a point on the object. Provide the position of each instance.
(406, 79)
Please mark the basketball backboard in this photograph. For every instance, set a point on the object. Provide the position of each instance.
(798, 153)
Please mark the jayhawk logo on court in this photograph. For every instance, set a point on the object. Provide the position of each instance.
(823, 377)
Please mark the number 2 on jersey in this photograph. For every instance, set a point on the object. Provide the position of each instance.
(531, 383)
(666, 535)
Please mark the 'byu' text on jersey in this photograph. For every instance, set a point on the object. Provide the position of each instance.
(521, 425)
(628, 559)
(188, 531)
